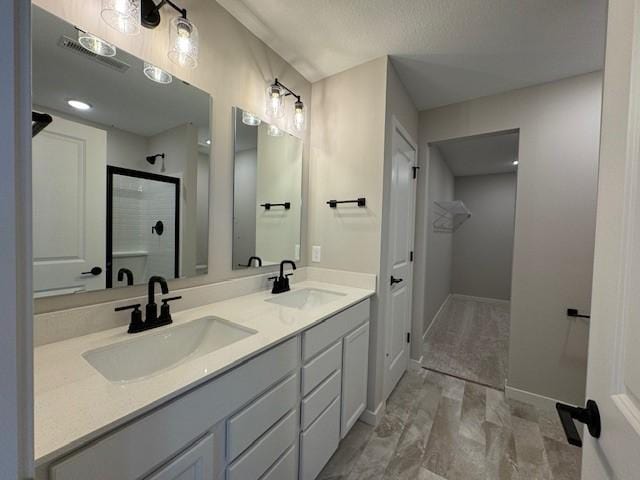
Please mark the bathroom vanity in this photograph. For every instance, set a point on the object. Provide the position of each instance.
(265, 387)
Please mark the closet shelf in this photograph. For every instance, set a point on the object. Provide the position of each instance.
(450, 214)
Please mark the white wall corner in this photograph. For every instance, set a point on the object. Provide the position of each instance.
(436, 317)
(373, 417)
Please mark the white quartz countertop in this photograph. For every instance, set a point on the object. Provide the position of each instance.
(74, 403)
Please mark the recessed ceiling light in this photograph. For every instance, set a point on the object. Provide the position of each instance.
(79, 105)
(515, 162)
(157, 74)
(208, 142)
(96, 44)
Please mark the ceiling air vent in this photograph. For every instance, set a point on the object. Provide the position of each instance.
(73, 46)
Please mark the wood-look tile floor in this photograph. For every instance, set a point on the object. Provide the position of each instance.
(439, 427)
(470, 340)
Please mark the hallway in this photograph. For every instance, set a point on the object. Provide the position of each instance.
(438, 427)
(470, 340)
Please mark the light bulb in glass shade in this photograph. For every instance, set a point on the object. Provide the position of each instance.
(515, 162)
(274, 131)
(183, 43)
(96, 44)
(250, 119)
(157, 74)
(123, 15)
(275, 101)
(299, 119)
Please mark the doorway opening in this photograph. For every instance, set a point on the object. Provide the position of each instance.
(471, 222)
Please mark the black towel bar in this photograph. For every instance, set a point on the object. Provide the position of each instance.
(362, 202)
(267, 206)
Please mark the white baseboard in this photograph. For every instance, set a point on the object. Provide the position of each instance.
(460, 296)
(539, 401)
(416, 364)
(437, 315)
(373, 417)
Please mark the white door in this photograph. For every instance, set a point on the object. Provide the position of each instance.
(194, 464)
(399, 284)
(69, 201)
(613, 379)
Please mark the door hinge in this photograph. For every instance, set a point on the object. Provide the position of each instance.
(415, 171)
(411, 256)
(408, 337)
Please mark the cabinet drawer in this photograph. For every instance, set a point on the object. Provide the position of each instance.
(315, 403)
(286, 468)
(249, 424)
(255, 461)
(328, 332)
(321, 367)
(319, 442)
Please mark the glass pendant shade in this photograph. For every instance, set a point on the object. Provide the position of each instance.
(96, 44)
(123, 15)
(299, 117)
(183, 43)
(275, 101)
(157, 74)
(250, 119)
(274, 131)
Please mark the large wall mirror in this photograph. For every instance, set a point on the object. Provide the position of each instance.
(121, 174)
(267, 195)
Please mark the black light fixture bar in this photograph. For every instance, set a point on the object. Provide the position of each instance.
(289, 91)
(151, 12)
(362, 202)
(39, 121)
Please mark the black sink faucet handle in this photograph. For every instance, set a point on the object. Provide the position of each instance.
(136, 324)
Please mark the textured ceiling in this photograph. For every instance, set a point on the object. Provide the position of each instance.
(480, 155)
(445, 51)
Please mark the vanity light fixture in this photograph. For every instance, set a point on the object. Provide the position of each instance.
(157, 74)
(123, 15)
(274, 131)
(79, 104)
(183, 34)
(96, 44)
(250, 119)
(515, 163)
(276, 93)
(208, 142)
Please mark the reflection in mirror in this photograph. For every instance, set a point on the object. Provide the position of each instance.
(121, 174)
(267, 195)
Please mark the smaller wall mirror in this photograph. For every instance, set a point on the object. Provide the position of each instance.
(267, 195)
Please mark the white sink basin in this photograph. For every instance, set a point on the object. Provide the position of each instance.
(305, 298)
(155, 352)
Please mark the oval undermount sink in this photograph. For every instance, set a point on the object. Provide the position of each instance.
(141, 357)
(305, 298)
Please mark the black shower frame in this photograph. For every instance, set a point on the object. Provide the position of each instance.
(111, 171)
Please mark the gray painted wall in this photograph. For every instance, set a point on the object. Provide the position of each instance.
(483, 245)
(559, 126)
(439, 244)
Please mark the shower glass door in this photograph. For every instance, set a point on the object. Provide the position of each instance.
(143, 226)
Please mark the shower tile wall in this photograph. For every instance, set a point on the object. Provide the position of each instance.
(137, 205)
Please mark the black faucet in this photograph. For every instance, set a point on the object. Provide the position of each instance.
(251, 259)
(152, 309)
(281, 283)
(125, 271)
(152, 320)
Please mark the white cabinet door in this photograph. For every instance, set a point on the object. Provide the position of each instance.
(196, 463)
(355, 365)
(69, 208)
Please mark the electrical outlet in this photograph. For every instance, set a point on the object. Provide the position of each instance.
(316, 253)
(296, 255)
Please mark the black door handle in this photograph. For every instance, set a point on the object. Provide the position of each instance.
(95, 271)
(590, 416)
(395, 280)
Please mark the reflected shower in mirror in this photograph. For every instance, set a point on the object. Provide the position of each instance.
(121, 173)
(267, 194)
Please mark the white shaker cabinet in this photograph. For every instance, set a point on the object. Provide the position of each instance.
(355, 369)
(196, 463)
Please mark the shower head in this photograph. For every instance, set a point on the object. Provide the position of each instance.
(152, 158)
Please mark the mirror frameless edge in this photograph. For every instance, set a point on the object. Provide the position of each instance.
(121, 184)
(267, 193)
